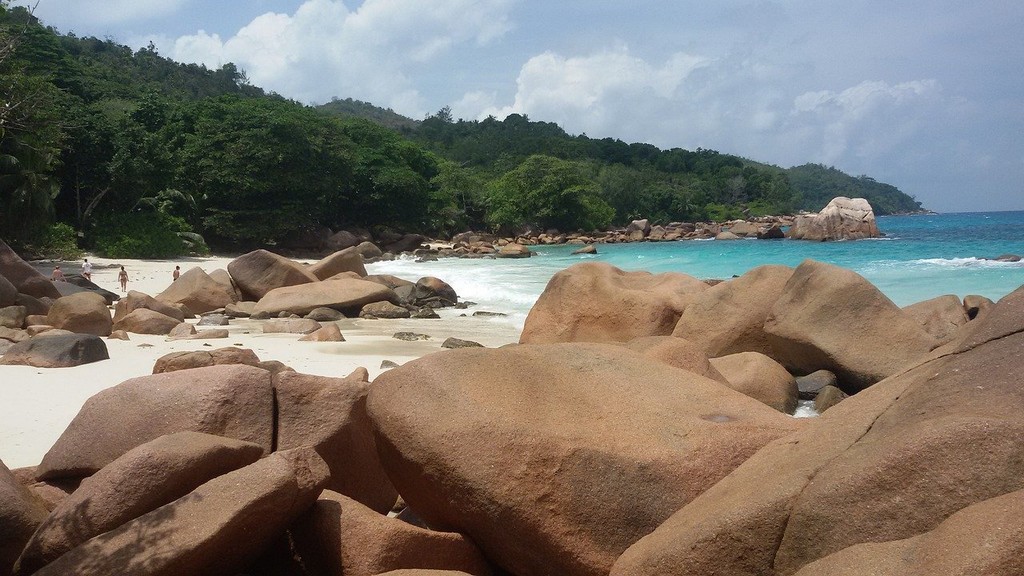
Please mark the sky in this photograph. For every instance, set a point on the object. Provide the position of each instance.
(925, 95)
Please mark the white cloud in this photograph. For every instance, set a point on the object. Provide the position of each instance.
(325, 50)
(738, 103)
(591, 93)
(866, 120)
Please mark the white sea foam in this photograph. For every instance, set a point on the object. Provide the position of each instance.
(805, 409)
(965, 263)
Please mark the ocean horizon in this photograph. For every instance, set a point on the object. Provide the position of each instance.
(920, 257)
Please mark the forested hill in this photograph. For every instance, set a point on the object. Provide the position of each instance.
(125, 152)
(818, 184)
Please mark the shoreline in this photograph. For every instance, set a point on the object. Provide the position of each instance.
(39, 403)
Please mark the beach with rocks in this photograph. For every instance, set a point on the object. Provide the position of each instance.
(268, 415)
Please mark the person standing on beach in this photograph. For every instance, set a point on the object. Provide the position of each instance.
(177, 272)
(87, 270)
(57, 275)
(122, 277)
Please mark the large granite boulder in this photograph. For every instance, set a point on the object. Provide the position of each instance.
(221, 276)
(348, 538)
(347, 295)
(555, 458)
(141, 480)
(14, 317)
(985, 538)
(676, 352)
(761, 378)
(198, 291)
(891, 462)
(23, 276)
(185, 360)
(385, 309)
(88, 286)
(326, 333)
(347, 260)
(84, 313)
(291, 326)
(329, 414)
(514, 250)
(369, 250)
(260, 271)
(33, 305)
(424, 572)
(833, 319)
(220, 527)
(342, 239)
(597, 302)
(20, 514)
(235, 401)
(729, 317)
(842, 219)
(56, 349)
(146, 321)
(8, 292)
(404, 243)
(434, 292)
(136, 300)
(941, 316)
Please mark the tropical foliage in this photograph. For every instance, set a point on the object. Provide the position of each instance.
(133, 152)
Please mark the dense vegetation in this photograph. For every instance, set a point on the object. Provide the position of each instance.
(819, 184)
(130, 153)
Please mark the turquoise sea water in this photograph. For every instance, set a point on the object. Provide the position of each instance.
(920, 257)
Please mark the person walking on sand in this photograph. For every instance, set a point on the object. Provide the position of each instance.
(177, 272)
(87, 270)
(122, 277)
(57, 275)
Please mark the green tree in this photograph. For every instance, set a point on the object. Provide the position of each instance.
(550, 193)
(30, 129)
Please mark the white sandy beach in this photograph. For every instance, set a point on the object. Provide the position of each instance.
(37, 404)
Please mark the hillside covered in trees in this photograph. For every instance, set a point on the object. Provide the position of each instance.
(126, 152)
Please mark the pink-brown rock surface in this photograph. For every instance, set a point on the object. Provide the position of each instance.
(729, 317)
(351, 539)
(84, 313)
(985, 538)
(555, 458)
(676, 352)
(201, 358)
(220, 527)
(891, 462)
(346, 260)
(56, 349)
(831, 318)
(761, 378)
(339, 294)
(842, 219)
(198, 291)
(235, 401)
(146, 321)
(136, 300)
(23, 276)
(141, 480)
(596, 302)
(258, 272)
(329, 414)
(20, 514)
(941, 316)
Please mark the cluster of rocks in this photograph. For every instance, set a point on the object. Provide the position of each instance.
(41, 327)
(640, 427)
(842, 219)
